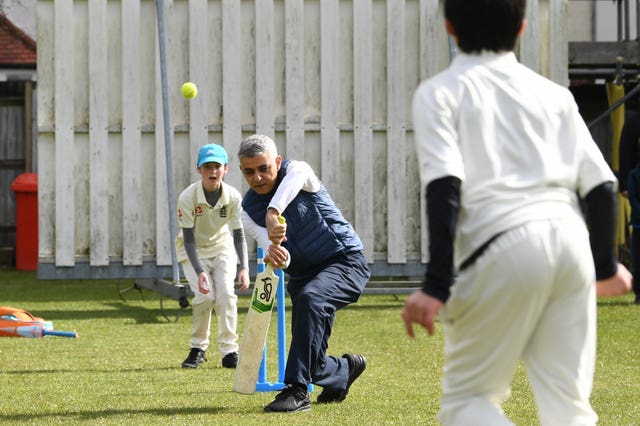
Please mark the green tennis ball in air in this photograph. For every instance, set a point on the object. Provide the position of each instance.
(189, 90)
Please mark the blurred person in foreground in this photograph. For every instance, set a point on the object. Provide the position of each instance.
(505, 158)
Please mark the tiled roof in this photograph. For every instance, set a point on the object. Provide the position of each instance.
(17, 49)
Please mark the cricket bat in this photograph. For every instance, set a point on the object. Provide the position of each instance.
(256, 328)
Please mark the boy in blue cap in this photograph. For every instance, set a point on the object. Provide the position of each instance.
(211, 236)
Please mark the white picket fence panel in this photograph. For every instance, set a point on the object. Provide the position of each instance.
(330, 80)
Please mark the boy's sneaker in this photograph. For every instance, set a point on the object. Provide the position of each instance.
(230, 360)
(196, 356)
(357, 364)
(292, 399)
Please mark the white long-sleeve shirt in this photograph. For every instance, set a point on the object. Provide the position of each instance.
(514, 138)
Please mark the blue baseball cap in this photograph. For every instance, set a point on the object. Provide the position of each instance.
(212, 153)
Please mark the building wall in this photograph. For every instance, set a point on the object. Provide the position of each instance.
(331, 81)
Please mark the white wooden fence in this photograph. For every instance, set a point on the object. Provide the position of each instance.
(331, 81)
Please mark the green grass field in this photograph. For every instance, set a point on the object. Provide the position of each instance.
(125, 366)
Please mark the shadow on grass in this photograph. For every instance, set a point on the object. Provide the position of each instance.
(102, 414)
(365, 306)
(140, 314)
(145, 370)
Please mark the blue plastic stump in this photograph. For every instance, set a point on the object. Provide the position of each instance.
(263, 385)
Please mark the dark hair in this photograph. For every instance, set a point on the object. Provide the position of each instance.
(485, 24)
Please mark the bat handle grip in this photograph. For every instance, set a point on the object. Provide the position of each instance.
(282, 220)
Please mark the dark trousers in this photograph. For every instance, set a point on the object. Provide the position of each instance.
(635, 259)
(314, 302)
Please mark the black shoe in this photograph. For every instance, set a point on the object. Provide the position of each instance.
(230, 360)
(196, 356)
(292, 399)
(637, 301)
(357, 364)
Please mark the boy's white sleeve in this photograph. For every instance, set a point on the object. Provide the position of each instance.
(299, 177)
(255, 231)
(434, 110)
(186, 211)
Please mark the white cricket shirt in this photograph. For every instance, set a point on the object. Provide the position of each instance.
(213, 224)
(514, 138)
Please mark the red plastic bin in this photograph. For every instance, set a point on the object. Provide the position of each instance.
(25, 186)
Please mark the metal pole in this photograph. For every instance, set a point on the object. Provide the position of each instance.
(637, 19)
(167, 134)
(627, 29)
(614, 106)
(619, 4)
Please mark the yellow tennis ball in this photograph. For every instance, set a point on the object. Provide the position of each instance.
(189, 90)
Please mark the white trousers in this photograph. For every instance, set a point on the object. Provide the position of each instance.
(530, 297)
(221, 299)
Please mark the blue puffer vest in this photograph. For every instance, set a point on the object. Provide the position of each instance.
(316, 229)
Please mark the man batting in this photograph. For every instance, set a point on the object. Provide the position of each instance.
(322, 255)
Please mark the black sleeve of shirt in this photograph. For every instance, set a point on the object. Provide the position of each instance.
(188, 235)
(601, 212)
(241, 247)
(443, 205)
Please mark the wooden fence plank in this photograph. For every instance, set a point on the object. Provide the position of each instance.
(396, 151)
(362, 126)
(131, 138)
(64, 135)
(264, 68)
(295, 79)
(231, 85)
(198, 71)
(98, 135)
(558, 45)
(45, 22)
(46, 198)
(529, 42)
(330, 95)
(430, 28)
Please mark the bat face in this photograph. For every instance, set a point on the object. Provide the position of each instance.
(264, 290)
(255, 331)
